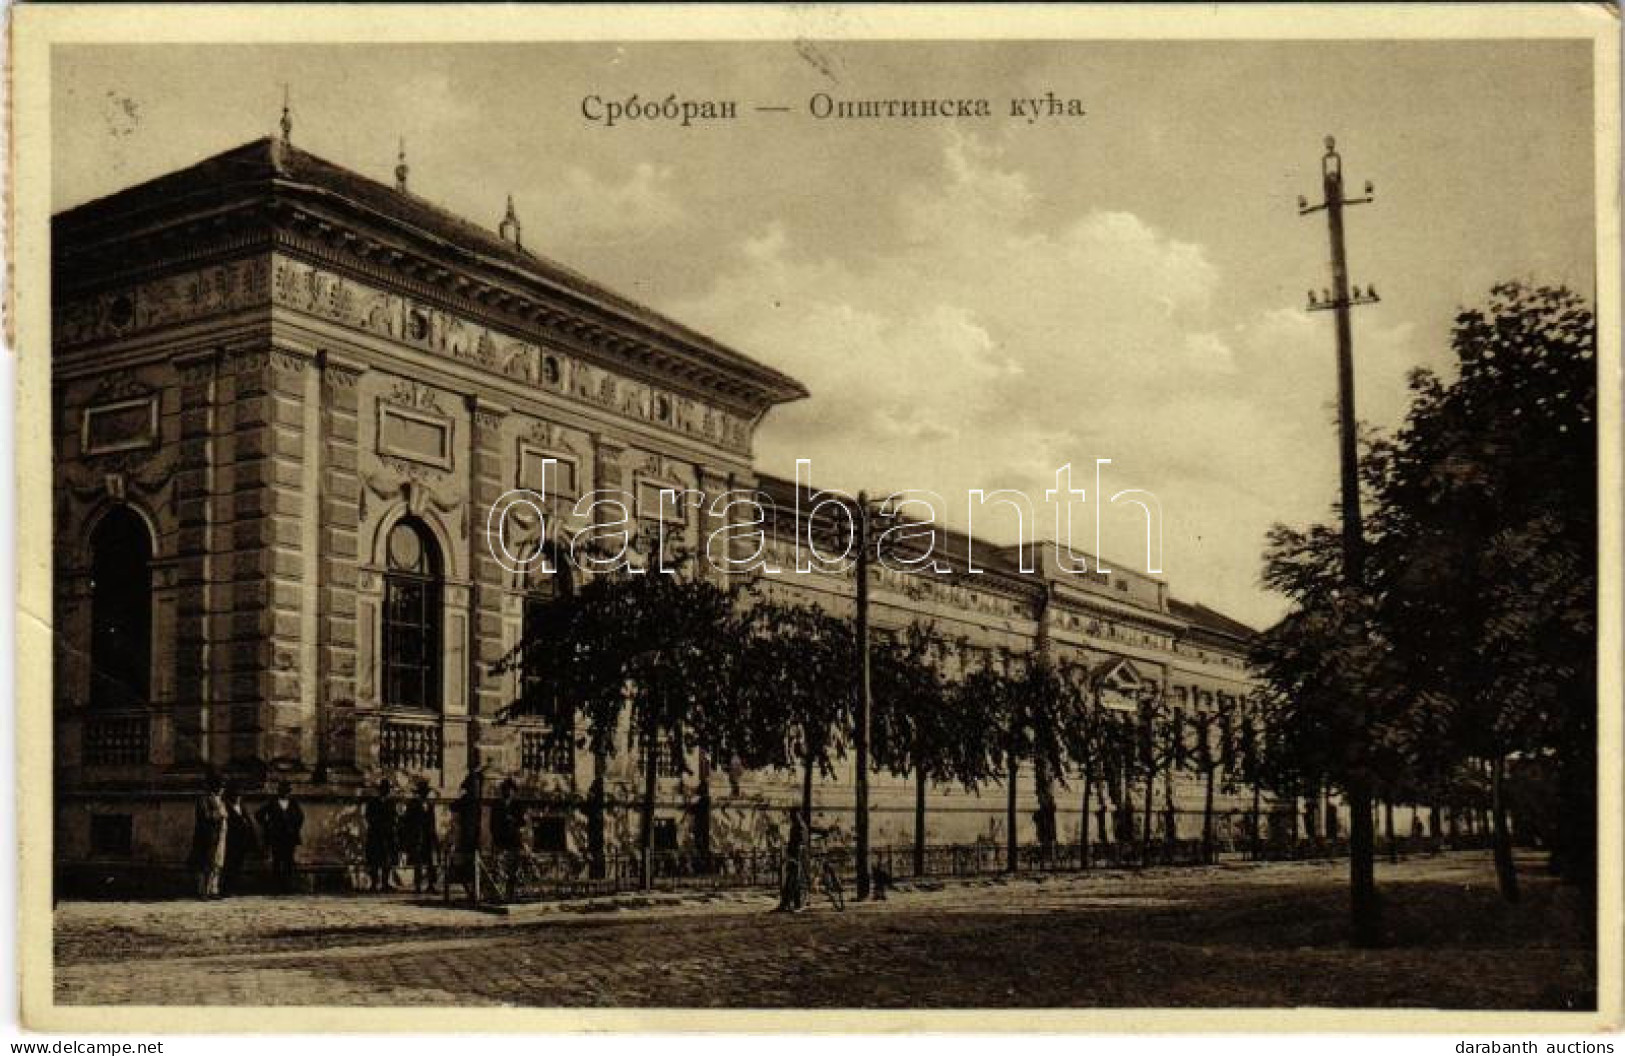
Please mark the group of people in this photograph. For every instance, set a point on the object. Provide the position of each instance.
(224, 836)
(407, 832)
(410, 832)
(397, 832)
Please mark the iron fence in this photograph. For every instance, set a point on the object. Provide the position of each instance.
(506, 877)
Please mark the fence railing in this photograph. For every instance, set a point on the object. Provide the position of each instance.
(507, 877)
(117, 740)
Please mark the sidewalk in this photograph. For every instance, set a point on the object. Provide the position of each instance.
(1229, 935)
(259, 924)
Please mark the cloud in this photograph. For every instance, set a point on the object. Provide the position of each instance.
(985, 349)
(586, 210)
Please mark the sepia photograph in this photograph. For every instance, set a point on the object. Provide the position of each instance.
(828, 517)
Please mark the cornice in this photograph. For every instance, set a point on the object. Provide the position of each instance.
(603, 341)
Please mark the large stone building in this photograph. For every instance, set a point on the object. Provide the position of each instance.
(285, 397)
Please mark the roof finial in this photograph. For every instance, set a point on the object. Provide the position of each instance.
(509, 229)
(287, 118)
(400, 168)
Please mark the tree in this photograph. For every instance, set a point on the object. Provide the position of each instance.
(1472, 638)
(645, 651)
(1157, 744)
(1095, 745)
(921, 729)
(1251, 769)
(794, 690)
(1026, 708)
(1331, 690)
(1487, 510)
(1214, 750)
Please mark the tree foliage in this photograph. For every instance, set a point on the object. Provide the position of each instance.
(1472, 639)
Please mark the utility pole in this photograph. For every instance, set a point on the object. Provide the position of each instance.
(1339, 299)
(865, 700)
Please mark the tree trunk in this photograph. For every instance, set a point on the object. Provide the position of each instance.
(1506, 872)
(651, 762)
(1258, 823)
(1044, 814)
(1107, 816)
(1364, 909)
(806, 791)
(595, 819)
(1388, 824)
(1145, 836)
(1435, 828)
(702, 819)
(1575, 842)
(1207, 817)
(919, 820)
(1083, 821)
(1010, 816)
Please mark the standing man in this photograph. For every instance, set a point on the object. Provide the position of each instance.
(465, 827)
(421, 837)
(507, 831)
(797, 863)
(241, 840)
(209, 839)
(381, 838)
(282, 824)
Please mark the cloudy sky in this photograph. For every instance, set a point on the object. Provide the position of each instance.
(972, 302)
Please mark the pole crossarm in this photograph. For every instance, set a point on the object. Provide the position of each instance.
(1325, 301)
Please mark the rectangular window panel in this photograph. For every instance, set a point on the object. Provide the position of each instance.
(554, 479)
(413, 436)
(122, 426)
(653, 506)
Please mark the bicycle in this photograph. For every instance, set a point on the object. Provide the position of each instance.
(829, 882)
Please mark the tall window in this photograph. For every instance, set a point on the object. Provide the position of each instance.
(121, 611)
(556, 751)
(412, 640)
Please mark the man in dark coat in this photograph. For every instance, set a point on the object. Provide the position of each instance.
(282, 824)
(381, 838)
(507, 830)
(465, 827)
(241, 841)
(421, 838)
(507, 819)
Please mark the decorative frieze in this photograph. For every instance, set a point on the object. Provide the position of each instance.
(164, 301)
(316, 291)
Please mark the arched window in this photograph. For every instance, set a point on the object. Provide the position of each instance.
(121, 611)
(412, 606)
